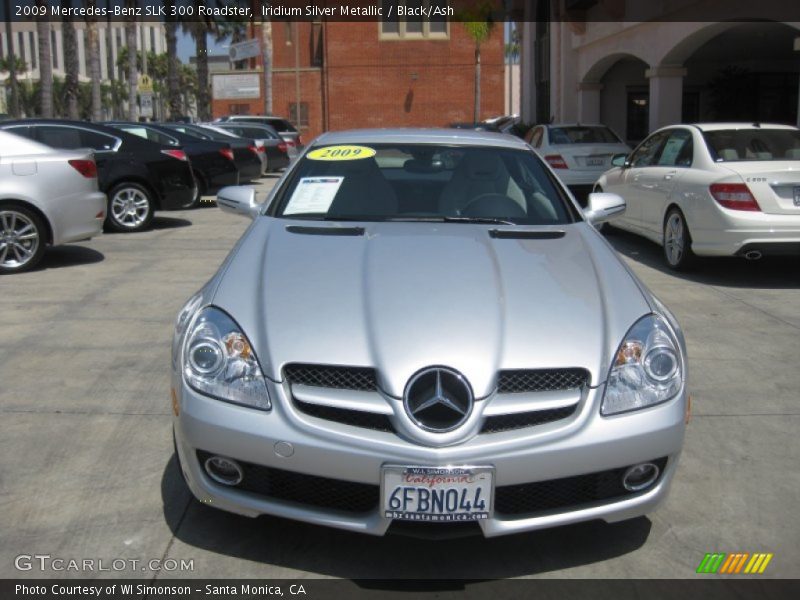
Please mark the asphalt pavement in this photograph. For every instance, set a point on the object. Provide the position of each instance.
(87, 469)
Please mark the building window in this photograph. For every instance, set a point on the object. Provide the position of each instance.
(413, 26)
(239, 109)
(32, 49)
(2, 46)
(21, 43)
(302, 121)
(153, 40)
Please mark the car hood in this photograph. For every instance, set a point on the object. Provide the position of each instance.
(404, 296)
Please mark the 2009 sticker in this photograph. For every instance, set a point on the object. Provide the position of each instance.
(341, 153)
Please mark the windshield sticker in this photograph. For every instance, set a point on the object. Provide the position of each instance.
(313, 195)
(341, 153)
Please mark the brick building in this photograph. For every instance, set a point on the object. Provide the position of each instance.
(368, 74)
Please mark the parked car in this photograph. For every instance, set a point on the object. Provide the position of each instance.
(283, 126)
(47, 197)
(578, 154)
(502, 366)
(206, 132)
(138, 176)
(212, 162)
(278, 152)
(246, 154)
(713, 189)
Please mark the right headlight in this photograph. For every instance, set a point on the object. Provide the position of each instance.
(647, 368)
(219, 361)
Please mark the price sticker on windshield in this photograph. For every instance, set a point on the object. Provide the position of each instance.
(341, 153)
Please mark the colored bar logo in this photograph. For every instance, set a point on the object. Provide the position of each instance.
(735, 563)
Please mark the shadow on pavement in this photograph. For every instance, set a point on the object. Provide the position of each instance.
(774, 272)
(160, 222)
(69, 256)
(331, 552)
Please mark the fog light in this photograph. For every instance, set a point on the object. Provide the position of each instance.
(224, 470)
(640, 477)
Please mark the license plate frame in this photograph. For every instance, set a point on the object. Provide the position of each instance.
(595, 161)
(438, 481)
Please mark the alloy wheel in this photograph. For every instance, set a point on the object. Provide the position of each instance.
(674, 239)
(130, 207)
(19, 239)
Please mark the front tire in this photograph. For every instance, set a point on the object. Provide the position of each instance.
(677, 241)
(130, 208)
(22, 238)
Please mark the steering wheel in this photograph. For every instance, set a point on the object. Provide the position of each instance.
(493, 205)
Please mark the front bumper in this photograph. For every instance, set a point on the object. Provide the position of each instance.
(584, 443)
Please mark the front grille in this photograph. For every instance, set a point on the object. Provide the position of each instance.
(570, 492)
(342, 378)
(540, 380)
(499, 423)
(311, 490)
(356, 418)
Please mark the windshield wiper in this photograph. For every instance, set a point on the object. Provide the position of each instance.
(489, 220)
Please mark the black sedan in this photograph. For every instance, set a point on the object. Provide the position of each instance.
(275, 147)
(213, 163)
(138, 176)
(245, 151)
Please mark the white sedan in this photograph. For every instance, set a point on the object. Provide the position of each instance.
(578, 154)
(47, 197)
(721, 189)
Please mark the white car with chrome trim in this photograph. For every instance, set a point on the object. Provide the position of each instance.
(712, 189)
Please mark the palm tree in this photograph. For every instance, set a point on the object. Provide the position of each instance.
(130, 42)
(70, 63)
(93, 41)
(479, 28)
(173, 75)
(266, 59)
(112, 75)
(13, 104)
(199, 32)
(45, 63)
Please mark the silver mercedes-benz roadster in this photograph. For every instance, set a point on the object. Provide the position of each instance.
(422, 330)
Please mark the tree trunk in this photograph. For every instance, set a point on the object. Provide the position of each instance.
(112, 68)
(477, 116)
(45, 65)
(266, 59)
(93, 43)
(130, 42)
(203, 101)
(70, 64)
(13, 104)
(173, 80)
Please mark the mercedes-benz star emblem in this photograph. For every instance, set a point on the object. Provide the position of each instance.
(438, 399)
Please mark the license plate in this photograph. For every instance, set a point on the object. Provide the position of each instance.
(595, 161)
(437, 493)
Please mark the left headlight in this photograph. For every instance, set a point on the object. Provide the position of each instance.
(647, 369)
(218, 360)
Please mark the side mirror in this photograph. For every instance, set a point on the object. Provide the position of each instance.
(238, 200)
(603, 207)
(620, 160)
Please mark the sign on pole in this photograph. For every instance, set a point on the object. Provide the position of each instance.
(145, 85)
(244, 50)
(146, 104)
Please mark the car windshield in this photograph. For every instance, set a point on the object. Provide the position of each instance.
(403, 182)
(730, 145)
(581, 134)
